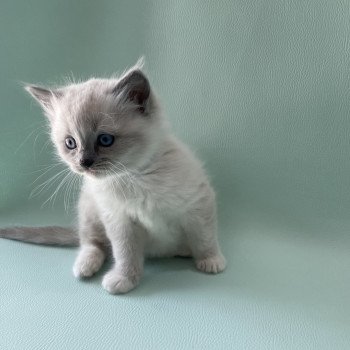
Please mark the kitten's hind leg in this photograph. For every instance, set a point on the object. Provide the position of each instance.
(207, 255)
(201, 232)
(93, 240)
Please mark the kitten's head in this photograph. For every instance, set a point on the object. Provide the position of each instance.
(103, 126)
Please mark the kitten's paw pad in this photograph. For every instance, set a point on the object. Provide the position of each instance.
(214, 264)
(88, 264)
(117, 284)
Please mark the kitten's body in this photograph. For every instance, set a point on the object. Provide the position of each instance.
(145, 196)
(156, 198)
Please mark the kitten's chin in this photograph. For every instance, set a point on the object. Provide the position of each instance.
(95, 174)
(91, 173)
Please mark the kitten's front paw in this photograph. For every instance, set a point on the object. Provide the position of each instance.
(88, 262)
(114, 283)
(214, 264)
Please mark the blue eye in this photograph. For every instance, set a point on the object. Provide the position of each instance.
(105, 140)
(70, 143)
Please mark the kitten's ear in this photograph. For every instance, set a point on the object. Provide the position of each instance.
(134, 87)
(45, 97)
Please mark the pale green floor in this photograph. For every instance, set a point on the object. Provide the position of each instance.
(283, 289)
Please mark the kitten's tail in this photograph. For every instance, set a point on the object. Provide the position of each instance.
(49, 235)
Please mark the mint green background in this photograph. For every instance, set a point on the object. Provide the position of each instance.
(260, 90)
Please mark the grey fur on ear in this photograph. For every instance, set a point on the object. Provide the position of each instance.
(44, 96)
(136, 88)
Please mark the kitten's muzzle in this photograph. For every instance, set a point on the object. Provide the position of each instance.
(86, 162)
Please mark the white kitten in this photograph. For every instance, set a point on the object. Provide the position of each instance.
(144, 193)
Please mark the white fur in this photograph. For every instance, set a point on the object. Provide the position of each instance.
(154, 200)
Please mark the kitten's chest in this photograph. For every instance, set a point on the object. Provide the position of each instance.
(162, 223)
(137, 202)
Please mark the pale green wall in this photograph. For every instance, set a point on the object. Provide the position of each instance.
(260, 89)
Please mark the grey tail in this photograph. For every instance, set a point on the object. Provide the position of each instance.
(48, 235)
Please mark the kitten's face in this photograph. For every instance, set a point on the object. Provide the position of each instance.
(103, 126)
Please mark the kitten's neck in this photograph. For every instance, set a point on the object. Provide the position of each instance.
(167, 143)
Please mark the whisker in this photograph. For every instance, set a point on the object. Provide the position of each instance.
(71, 189)
(49, 168)
(52, 198)
(46, 144)
(114, 181)
(126, 172)
(24, 141)
(40, 132)
(37, 190)
(76, 183)
(66, 192)
(119, 176)
(43, 167)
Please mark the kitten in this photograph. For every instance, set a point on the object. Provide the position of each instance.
(144, 194)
